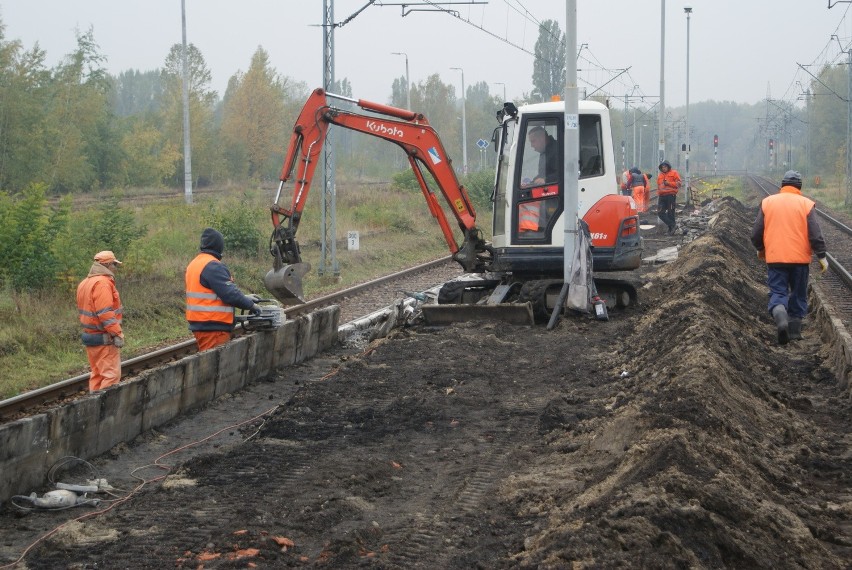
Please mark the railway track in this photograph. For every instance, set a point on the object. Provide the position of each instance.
(837, 230)
(354, 302)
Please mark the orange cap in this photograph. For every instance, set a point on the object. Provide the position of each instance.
(105, 257)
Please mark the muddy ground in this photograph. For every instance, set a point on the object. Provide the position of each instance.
(675, 435)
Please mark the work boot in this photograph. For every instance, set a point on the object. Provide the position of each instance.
(795, 329)
(779, 313)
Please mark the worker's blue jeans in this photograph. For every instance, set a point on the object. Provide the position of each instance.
(788, 286)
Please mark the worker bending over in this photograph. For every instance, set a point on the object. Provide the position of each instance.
(211, 294)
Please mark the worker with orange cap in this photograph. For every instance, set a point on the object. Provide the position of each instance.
(99, 308)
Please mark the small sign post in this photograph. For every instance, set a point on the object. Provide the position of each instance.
(353, 241)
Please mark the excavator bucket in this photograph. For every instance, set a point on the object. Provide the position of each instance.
(285, 283)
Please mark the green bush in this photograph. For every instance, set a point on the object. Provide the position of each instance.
(238, 225)
(480, 186)
(405, 180)
(28, 231)
(114, 228)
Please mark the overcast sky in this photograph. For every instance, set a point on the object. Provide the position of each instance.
(740, 50)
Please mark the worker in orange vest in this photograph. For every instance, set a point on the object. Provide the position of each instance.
(668, 184)
(99, 308)
(787, 234)
(211, 294)
(635, 183)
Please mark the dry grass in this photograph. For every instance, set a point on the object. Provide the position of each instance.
(39, 343)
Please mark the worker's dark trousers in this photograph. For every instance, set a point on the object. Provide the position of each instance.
(788, 286)
(666, 209)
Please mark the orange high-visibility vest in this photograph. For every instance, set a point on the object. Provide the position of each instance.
(202, 304)
(785, 226)
(528, 216)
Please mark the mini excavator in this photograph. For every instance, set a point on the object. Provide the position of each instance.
(521, 269)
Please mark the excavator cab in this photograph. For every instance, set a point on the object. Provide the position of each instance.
(529, 209)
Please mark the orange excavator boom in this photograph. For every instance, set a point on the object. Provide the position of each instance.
(408, 130)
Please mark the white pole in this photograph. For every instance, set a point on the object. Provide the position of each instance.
(504, 90)
(187, 148)
(688, 199)
(572, 137)
(662, 127)
(407, 80)
(464, 124)
(571, 157)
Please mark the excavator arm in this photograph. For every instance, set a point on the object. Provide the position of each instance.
(408, 130)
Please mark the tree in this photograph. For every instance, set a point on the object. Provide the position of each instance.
(149, 160)
(253, 114)
(549, 67)
(24, 83)
(136, 92)
(828, 134)
(481, 108)
(438, 102)
(206, 153)
(82, 142)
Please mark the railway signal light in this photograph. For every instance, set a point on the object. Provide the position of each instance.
(715, 140)
(771, 144)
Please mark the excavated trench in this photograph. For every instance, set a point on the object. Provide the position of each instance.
(675, 435)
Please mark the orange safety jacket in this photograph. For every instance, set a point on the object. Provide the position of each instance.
(99, 306)
(629, 181)
(668, 182)
(202, 304)
(785, 226)
(529, 214)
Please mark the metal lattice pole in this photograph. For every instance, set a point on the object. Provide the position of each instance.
(329, 205)
(848, 201)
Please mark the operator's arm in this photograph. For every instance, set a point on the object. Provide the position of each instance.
(815, 235)
(757, 231)
(217, 277)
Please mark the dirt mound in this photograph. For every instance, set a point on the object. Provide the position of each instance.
(676, 434)
(706, 459)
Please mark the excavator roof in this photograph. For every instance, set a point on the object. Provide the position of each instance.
(559, 106)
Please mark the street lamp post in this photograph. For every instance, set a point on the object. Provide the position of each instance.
(407, 80)
(464, 124)
(504, 90)
(688, 11)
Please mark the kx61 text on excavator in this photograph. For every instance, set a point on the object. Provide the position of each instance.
(521, 269)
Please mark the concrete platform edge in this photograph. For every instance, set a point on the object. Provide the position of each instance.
(90, 426)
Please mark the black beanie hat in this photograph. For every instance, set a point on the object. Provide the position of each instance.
(792, 178)
(212, 242)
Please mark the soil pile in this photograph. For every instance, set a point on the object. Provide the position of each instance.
(675, 435)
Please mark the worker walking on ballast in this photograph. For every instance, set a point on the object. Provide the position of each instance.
(787, 234)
